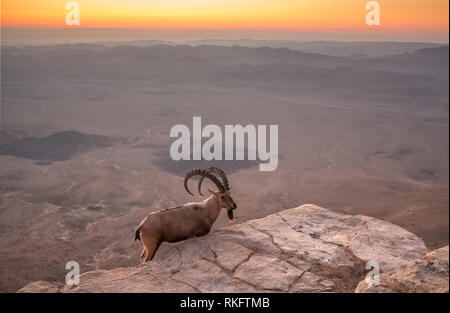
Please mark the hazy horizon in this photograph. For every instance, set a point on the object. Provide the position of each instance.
(46, 36)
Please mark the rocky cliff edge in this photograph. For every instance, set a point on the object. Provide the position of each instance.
(305, 249)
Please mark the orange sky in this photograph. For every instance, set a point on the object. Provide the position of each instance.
(307, 15)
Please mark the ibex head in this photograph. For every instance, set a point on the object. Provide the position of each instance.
(222, 196)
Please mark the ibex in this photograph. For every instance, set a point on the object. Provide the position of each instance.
(189, 220)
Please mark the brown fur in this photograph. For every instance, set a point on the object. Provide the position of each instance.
(180, 223)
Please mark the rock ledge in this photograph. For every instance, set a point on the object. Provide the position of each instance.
(305, 249)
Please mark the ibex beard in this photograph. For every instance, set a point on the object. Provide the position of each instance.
(189, 220)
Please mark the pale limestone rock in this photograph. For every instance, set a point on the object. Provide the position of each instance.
(302, 245)
(248, 237)
(368, 238)
(310, 282)
(205, 276)
(268, 273)
(130, 280)
(229, 254)
(427, 275)
(372, 289)
(40, 287)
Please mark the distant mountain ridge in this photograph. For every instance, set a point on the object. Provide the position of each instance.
(162, 61)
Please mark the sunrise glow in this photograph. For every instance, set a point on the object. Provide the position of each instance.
(306, 15)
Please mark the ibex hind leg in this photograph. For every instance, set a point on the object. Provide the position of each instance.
(150, 246)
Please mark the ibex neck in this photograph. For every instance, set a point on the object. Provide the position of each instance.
(213, 209)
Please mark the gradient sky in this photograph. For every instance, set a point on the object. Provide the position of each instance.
(405, 16)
